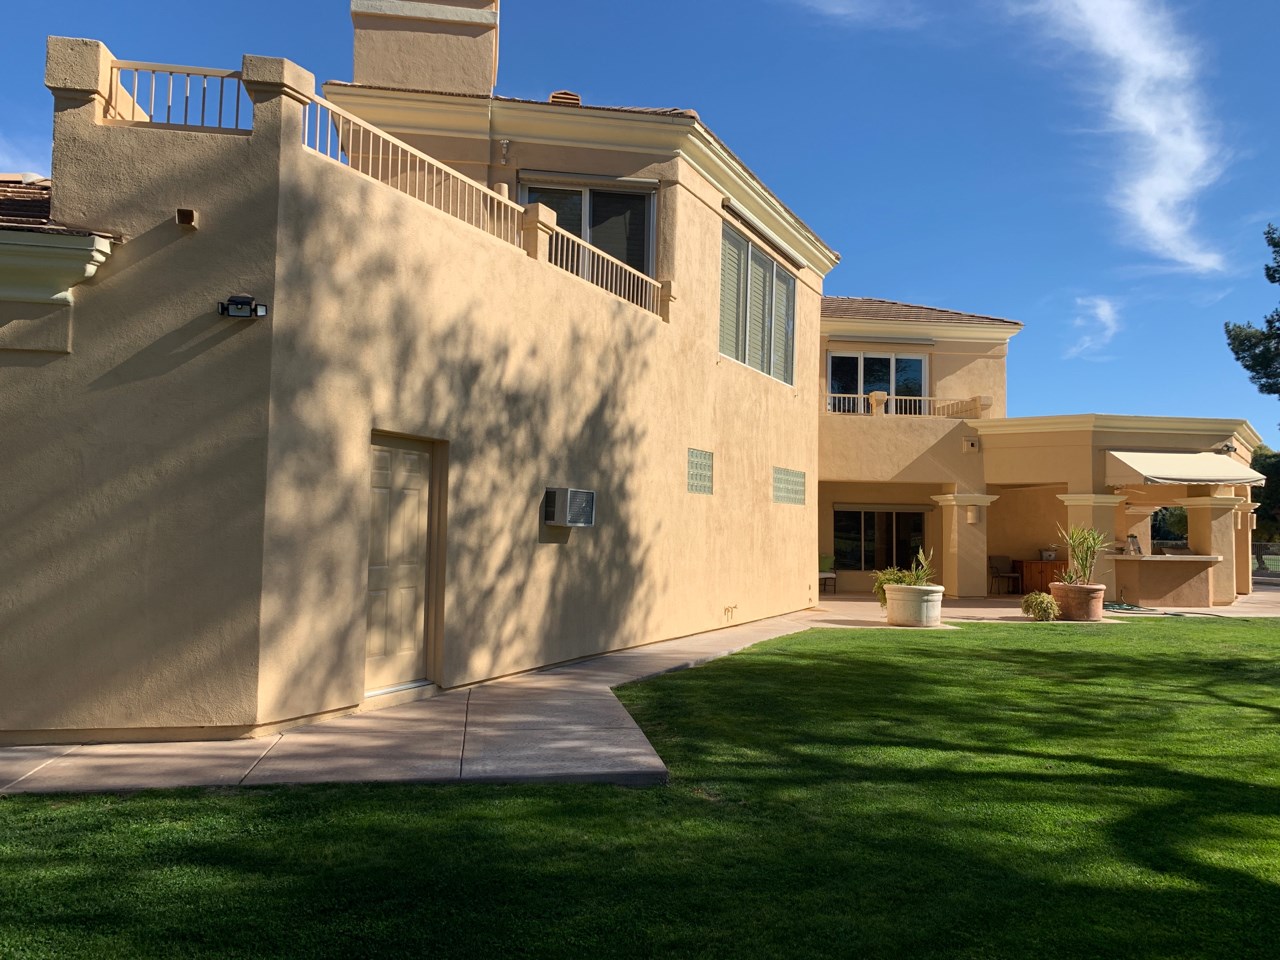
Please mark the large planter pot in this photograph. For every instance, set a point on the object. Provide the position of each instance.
(1079, 601)
(909, 606)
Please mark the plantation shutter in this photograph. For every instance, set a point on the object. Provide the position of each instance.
(759, 307)
(733, 264)
(782, 354)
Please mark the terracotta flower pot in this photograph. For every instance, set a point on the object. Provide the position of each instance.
(908, 606)
(1079, 601)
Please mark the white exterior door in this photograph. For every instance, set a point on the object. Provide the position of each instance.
(395, 607)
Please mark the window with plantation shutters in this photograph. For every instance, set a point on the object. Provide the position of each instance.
(733, 272)
(757, 308)
(782, 348)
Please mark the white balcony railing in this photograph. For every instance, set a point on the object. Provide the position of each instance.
(332, 132)
(173, 96)
(201, 98)
(595, 266)
(866, 404)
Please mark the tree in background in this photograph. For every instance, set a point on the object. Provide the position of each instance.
(1258, 350)
(1169, 524)
(1267, 462)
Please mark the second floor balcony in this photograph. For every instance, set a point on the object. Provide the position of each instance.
(879, 404)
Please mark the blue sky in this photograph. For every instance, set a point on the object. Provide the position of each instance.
(1101, 170)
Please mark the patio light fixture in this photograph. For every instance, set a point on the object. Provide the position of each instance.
(242, 306)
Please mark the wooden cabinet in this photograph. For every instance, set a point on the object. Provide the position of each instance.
(1038, 574)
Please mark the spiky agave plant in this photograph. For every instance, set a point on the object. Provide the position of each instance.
(1083, 546)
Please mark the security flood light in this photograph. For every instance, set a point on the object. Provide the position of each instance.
(242, 306)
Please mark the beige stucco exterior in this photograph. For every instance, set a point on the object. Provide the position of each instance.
(994, 486)
(186, 506)
(189, 508)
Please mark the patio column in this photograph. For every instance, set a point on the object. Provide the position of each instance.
(1245, 524)
(1137, 520)
(962, 555)
(1211, 532)
(1101, 511)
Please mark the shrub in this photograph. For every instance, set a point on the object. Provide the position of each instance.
(919, 574)
(1040, 606)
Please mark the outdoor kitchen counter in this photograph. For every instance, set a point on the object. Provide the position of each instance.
(1166, 581)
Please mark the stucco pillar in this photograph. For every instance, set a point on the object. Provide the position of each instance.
(1211, 531)
(279, 89)
(1101, 511)
(961, 558)
(1245, 523)
(539, 222)
(1137, 520)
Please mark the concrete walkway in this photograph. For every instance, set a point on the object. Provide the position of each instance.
(561, 725)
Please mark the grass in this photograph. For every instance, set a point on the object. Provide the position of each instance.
(1045, 791)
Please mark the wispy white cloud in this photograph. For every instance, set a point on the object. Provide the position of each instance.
(1151, 83)
(23, 155)
(1098, 319)
(899, 14)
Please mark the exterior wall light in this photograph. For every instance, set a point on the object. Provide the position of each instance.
(1227, 448)
(243, 306)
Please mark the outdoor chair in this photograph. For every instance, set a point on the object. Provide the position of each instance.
(1003, 577)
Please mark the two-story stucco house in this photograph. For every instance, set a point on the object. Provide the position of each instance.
(296, 386)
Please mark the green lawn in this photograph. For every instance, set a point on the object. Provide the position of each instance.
(1037, 790)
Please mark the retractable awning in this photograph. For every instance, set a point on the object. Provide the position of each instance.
(1126, 469)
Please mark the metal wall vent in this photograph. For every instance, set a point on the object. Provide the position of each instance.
(565, 97)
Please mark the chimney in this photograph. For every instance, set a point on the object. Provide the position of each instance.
(449, 46)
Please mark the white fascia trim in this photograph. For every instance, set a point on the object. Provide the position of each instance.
(437, 12)
(428, 114)
(906, 330)
(1115, 423)
(720, 168)
(43, 267)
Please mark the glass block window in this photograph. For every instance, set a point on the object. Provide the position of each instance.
(701, 471)
(788, 486)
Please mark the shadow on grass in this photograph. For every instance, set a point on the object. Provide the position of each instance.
(961, 795)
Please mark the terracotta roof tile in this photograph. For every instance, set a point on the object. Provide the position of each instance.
(868, 308)
(24, 200)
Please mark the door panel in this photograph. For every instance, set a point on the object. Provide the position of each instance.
(395, 606)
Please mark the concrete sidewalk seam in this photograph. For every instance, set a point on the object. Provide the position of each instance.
(34, 770)
(466, 722)
(262, 756)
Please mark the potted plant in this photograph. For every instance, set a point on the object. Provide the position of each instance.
(908, 596)
(1078, 597)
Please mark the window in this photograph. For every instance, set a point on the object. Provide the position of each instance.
(876, 539)
(788, 486)
(757, 308)
(701, 471)
(615, 221)
(851, 376)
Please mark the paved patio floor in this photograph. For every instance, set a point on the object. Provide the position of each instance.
(562, 724)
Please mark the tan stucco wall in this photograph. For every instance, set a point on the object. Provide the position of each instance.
(131, 500)
(534, 379)
(189, 517)
(424, 54)
(956, 369)
(1025, 520)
